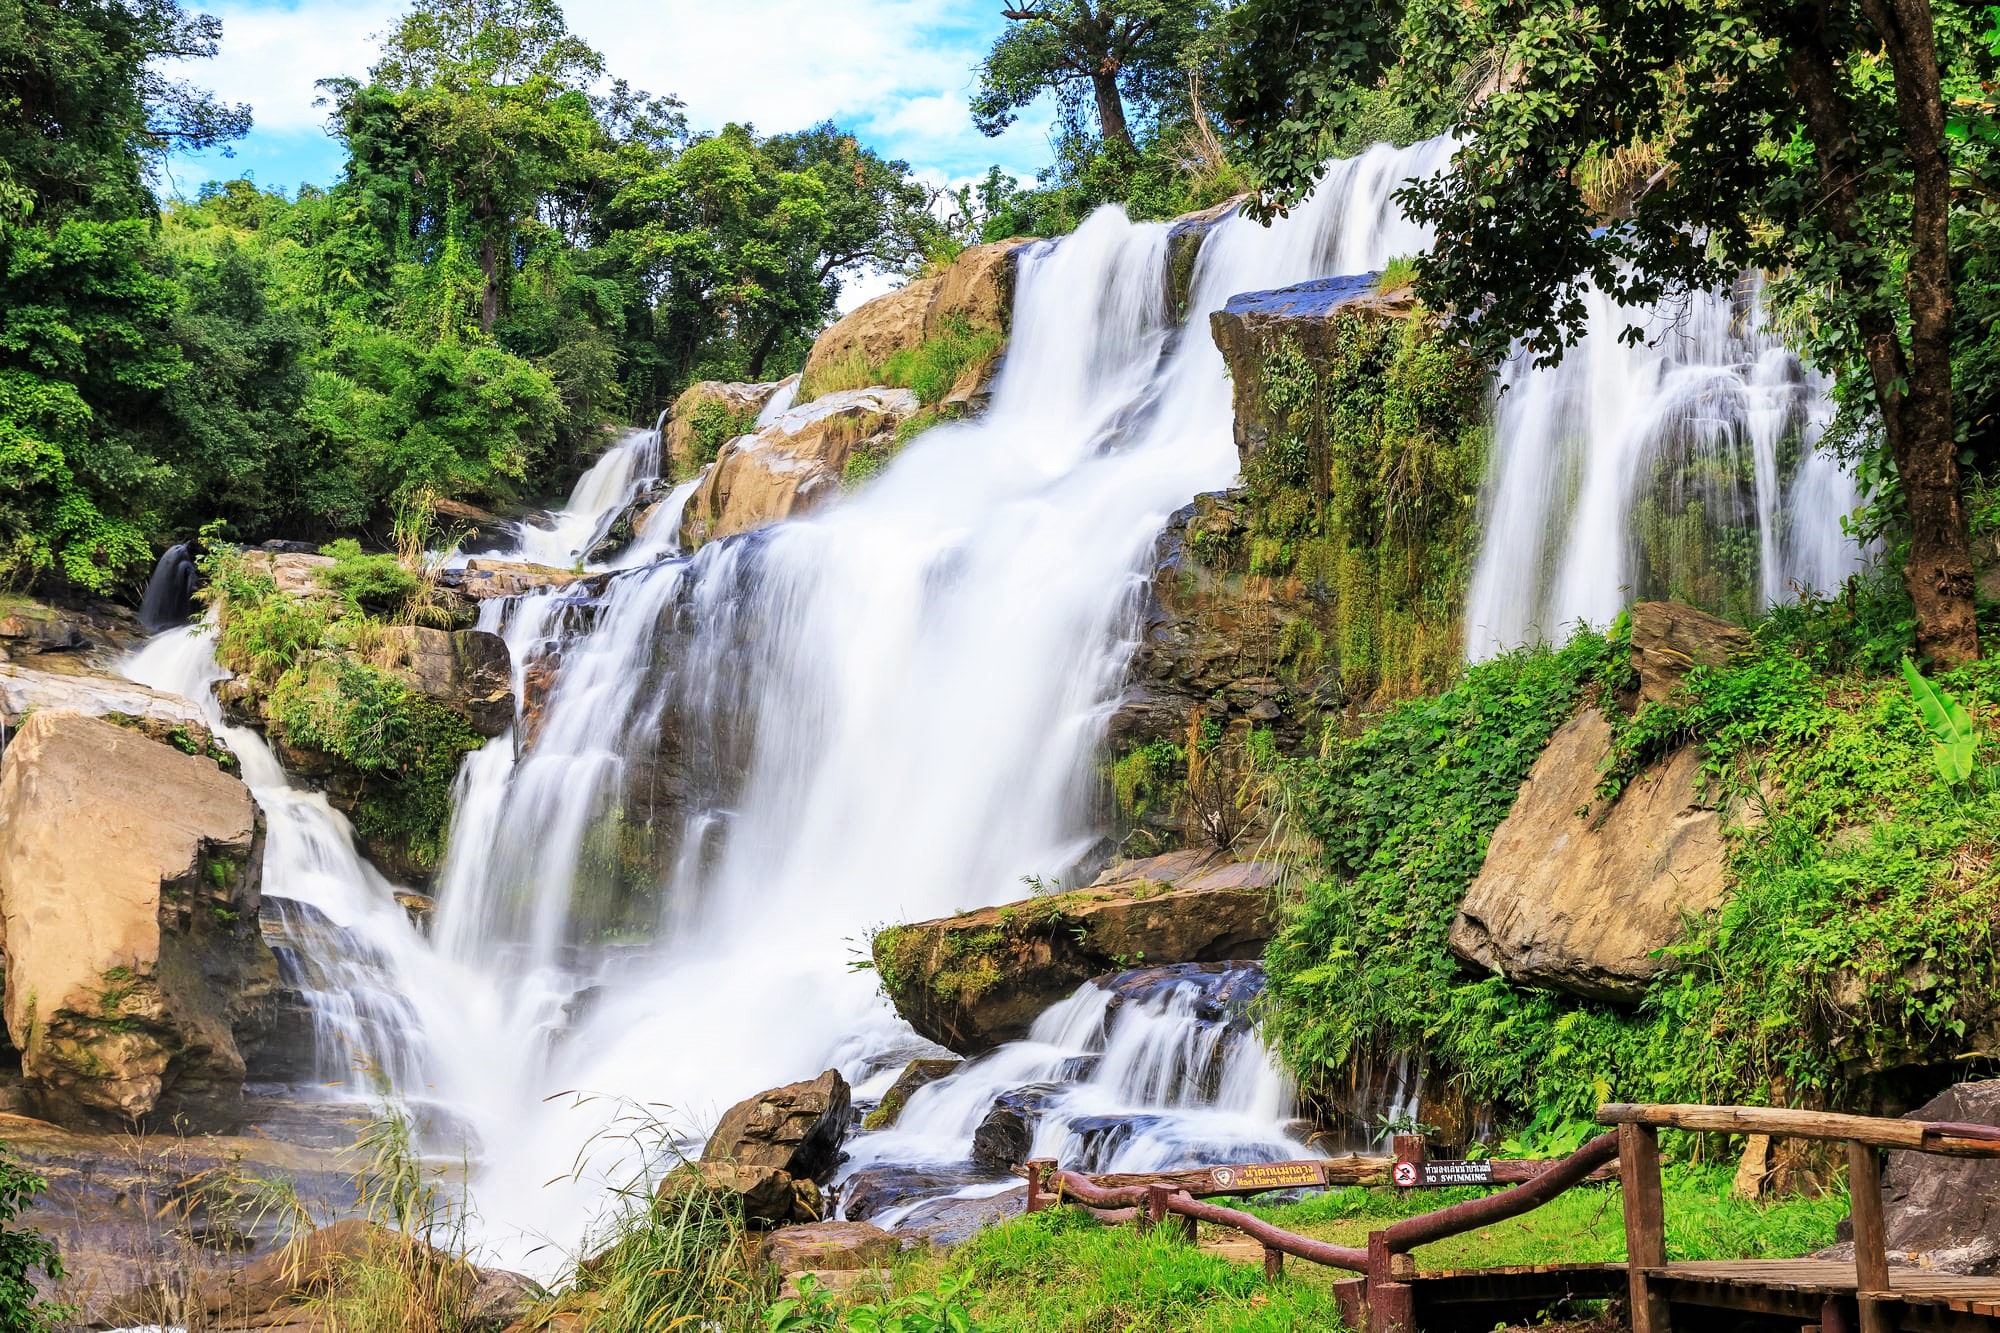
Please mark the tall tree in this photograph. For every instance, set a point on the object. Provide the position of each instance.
(1794, 135)
(1112, 51)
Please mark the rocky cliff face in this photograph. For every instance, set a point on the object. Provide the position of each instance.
(137, 979)
(976, 292)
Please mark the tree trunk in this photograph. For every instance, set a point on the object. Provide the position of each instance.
(764, 350)
(489, 300)
(1913, 389)
(1110, 106)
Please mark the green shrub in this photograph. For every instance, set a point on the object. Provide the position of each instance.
(377, 583)
(22, 1251)
(714, 423)
(931, 368)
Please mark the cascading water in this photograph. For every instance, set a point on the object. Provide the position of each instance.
(887, 711)
(606, 487)
(1683, 467)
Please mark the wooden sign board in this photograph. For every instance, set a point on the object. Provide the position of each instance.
(1413, 1174)
(1267, 1176)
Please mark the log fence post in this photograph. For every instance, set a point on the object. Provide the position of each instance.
(1645, 1223)
(1871, 1237)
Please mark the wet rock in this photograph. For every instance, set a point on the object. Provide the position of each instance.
(973, 981)
(1586, 904)
(1186, 235)
(791, 465)
(629, 522)
(1943, 1213)
(1007, 1135)
(137, 976)
(767, 1196)
(164, 717)
(295, 571)
(127, 1209)
(467, 671)
(796, 1128)
(1221, 992)
(743, 401)
(827, 1246)
(1670, 637)
(950, 1221)
(1096, 1140)
(915, 1075)
(874, 1190)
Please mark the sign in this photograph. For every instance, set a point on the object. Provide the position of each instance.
(1407, 1174)
(1451, 1171)
(1268, 1176)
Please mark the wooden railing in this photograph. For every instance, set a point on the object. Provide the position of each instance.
(1866, 1137)
(1387, 1262)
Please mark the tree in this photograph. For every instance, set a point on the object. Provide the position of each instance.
(1114, 51)
(1801, 136)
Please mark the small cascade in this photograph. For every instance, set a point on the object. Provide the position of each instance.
(779, 403)
(343, 942)
(610, 484)
(1683, 467)
(1154, 1070)
(169, 599)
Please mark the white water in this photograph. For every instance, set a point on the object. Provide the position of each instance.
(1701, 417)
(605, 488)
(1158, 1082)
(887, 711)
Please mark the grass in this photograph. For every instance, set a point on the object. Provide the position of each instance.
(1062, 1271)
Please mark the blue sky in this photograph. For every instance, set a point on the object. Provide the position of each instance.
(897, 72)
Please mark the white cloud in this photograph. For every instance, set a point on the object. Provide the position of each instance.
(896, 71)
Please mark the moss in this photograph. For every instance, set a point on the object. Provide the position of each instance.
(929, 369)
(713, 423)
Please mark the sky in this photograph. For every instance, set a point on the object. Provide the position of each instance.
(895, 72)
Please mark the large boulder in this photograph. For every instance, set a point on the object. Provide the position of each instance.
(792, 464)
(129, 887)
(819, 1247)
(977, 290)
(764, 1196)
(796, 1128)
(916, 1074)
(467, 671)
(1585, 903)
(976, 980)
(717, 399)
(61, 637)
(481, 579)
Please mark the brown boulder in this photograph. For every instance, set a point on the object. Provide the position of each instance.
(976, 290)
(295, 572)
(796, 1129)
(129, 885)
(1586, 904)
(481, 579)
(767, 1196)
(976, 980)
(915, 1075)
(1670, 637)
(790, 466)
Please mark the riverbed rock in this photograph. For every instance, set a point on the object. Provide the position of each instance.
(796, 1128)
(741, 401)
(1585, 904)
(129, 884)
(973, 981)
(948, 1222)
(790, 466)
(916, 1074)
(977, 290)
(1007, 1133)
(62, 637)
(467, 671)
(164, 717)
(827, 1246)
(1186, 235)
(141, 1219)
(874, 1190)
(1670, 637)
(295, 572)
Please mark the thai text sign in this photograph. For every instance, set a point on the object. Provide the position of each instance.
(1268, 1176)
(1409, 1174)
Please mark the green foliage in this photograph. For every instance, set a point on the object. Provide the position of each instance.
(939, 1310)
(1365, 490)
(1856, 939)
(1954, 739)
(713, 424)
(931, 368)
(22, 1251)
(377, 583)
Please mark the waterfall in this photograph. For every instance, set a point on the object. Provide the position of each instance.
(170, 592)
(1154, 1070)
(600, 494)
(886, 711)
(1682, 467)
